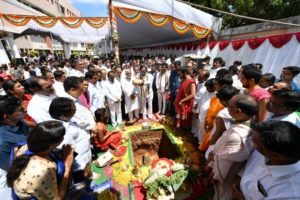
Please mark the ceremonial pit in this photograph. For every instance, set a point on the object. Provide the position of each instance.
(155, 156)
(149, 145)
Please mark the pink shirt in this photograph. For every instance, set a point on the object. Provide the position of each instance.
(260, 94)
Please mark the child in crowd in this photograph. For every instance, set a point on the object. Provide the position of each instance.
(104, 138)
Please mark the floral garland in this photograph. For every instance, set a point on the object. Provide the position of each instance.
(157, 20)
(49, 22)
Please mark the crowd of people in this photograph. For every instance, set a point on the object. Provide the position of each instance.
(246, 123)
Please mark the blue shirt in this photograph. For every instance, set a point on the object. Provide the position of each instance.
(174, 83)
(295, 87)
(10, 135)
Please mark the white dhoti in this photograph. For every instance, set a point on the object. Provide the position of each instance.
(162, 102)
(115, 113)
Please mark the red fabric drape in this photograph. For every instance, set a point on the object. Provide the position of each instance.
(212, 44)
(276, 41)
(255, 43)
(236, 45)
(189, 47)
(196, 46)
(203, 45)
(223, 44)
(183, 46)
(298, 37)
(279, 41)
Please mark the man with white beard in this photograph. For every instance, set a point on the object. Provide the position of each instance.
(114, 94)
(130, 92)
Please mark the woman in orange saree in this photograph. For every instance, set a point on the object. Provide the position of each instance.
(214, 108)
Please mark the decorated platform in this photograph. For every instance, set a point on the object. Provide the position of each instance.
(142, 159)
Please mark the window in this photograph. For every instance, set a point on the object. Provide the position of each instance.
(82, 45)
(62, 10)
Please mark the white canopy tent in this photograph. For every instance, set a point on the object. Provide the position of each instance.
(145, 32)
(140, 23)
(84, 33)
(16, 18)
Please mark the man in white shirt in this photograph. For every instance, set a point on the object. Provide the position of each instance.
(99, 64)
(67, 68)
(103, 74)
(34, 67)
(146, 93)
(234, 146)
(38, 107)
(107, 65)
(203, 74)
(283, 106)
(58, 84)
(273, 169)
(217, 65)
(83, 117)
(162, 85)
(96, 91)
(63, 109)
(114, 94)
(130, 93)
(80, 70)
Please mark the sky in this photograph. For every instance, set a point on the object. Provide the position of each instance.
(91, 8)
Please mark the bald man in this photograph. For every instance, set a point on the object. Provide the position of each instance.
(234, 146)
(279, 86)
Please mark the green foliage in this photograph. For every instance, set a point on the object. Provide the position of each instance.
(33, 53)
(75, 54)
(265, 9)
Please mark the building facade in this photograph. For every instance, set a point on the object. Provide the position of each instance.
(45, 44)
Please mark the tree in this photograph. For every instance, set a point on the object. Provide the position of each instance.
(265, 9)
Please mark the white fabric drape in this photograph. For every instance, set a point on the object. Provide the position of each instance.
(273, 59)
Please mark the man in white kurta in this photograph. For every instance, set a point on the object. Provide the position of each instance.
(83, 116)
(114, 95)
(203, 106)
(234, 146)
(146, 93)
(203, 75)
(162, 85)
(279, 181)
(75, 136)
(130, 93)
(38, 107)
(79, 71)
(96, 93)
(58, 84)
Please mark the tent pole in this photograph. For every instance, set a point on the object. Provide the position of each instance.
(105, 47)
(114, 30)
(52, 42)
